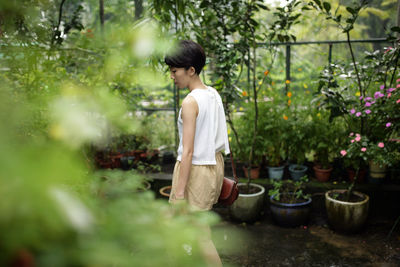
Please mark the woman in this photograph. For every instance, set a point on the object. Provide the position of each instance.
(199, 170)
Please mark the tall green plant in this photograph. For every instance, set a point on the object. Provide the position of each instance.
(334, 97)
(54, 104)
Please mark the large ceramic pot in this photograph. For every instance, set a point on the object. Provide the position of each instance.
(322, 175)
(377, 172)
(276, 173)
(346, 216)
(290, 215)
(297, 171)
(248, 207)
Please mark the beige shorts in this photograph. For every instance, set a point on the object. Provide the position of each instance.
(204, 185)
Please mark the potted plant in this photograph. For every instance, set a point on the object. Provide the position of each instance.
(380, 156)
(248, 46)
(298, 145)
(250, 202)
(289, 204)
(274, 130)
(241, 150)
(322, 144)
(369, 111)
(355, 158)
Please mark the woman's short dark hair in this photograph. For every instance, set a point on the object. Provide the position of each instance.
(188, 54)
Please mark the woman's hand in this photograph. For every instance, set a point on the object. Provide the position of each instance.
(179, 195)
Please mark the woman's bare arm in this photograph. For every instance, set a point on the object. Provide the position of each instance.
(189, 115)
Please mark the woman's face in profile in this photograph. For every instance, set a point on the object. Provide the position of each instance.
(180, 76)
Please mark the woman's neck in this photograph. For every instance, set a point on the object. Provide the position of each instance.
(196, 83)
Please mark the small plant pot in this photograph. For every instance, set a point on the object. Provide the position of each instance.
(377, 173)
(290, 215)
(165, 191)
(351, 173)
(146, 186)
(297, 171)
(254, 172)
(127, 162)
(276, 173)
(322, 175)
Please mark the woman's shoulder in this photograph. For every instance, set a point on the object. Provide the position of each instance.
(189, 100)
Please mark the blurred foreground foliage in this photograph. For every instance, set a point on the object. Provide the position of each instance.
(58, 100)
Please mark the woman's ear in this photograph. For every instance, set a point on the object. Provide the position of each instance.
(192, 71)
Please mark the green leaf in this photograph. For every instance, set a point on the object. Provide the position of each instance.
(318, 2)
(204, 4)
(395, 29)
(350, 10)
(327, 7)
(263, 7)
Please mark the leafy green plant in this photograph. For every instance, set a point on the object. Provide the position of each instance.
(299, 136)
(274, 130)
(289, 191)
(324, 138)
(55, 103)
(244, 121)
(334, 93)
(360, 149)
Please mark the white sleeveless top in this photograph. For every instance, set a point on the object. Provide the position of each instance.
(211, 134)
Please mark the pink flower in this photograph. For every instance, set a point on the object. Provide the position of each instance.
(358, 135)
(388, 124)
(367, 104)
(363, 149)
(343, 152)
(381, 145)
(352, 111)
(398, 101)
(378, 95)
(352, 141)
(358, 138)
(397, 86)
(381, 87)
(368, 98)
(358, 114)
(368, 111)
(361, 97)
(390, 90)
(351, 134)
(389, 95)
(398, 80)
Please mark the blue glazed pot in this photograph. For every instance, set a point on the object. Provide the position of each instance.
(297, 171)
(276, 173)
(290, 215)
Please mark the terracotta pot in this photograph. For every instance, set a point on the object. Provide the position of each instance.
(322, 175)
(254, 172)
(361, 175)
